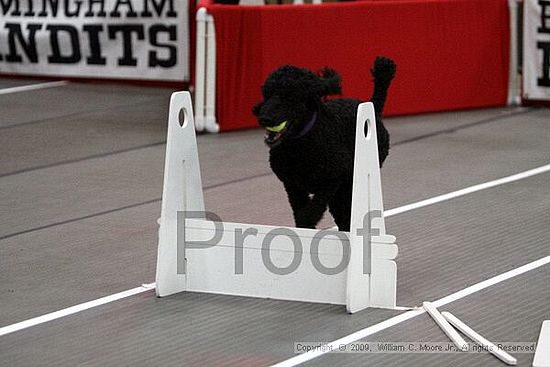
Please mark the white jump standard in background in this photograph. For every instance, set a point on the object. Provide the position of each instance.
(214, 268)
(542, 353)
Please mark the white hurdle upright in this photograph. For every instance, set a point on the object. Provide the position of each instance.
(253, 260)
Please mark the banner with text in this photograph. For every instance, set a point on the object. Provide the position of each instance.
(131, 39)
(536, 54)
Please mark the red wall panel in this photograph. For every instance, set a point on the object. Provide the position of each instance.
(450, 54)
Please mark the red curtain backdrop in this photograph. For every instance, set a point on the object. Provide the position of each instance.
(450, 54)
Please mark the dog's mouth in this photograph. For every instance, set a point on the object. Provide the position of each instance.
(274, 134)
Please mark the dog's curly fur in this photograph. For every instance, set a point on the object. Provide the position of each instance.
(312, 140)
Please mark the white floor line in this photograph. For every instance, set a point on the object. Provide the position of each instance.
(72, 310)
(26, 88)
(467, 190)
(101, 301)
(361, 334)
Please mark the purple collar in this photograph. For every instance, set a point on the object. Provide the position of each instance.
(306, 128)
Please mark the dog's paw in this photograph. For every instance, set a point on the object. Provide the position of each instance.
(304, 220)
(310, 226)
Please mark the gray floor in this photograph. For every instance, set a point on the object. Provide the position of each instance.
(80, 185)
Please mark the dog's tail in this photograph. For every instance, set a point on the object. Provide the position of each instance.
(383, 72)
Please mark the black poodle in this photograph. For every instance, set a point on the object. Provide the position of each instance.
(312, 140)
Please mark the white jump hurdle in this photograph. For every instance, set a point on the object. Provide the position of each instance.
(256, 260)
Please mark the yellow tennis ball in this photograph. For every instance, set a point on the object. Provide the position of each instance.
(278, 128)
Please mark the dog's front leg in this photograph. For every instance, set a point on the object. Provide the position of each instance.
(312, 214)
(299, 200)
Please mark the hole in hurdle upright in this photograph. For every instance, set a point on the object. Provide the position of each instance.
(267, 261)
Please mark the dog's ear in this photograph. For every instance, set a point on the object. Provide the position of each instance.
(256, 108)
(330, 82)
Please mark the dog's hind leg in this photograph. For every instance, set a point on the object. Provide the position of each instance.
(312, 214)
(308, 211)
(340, 207)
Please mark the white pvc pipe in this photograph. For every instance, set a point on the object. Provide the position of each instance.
(200, 69)
(480, 340)
(445, 326)
(514, 80)
(210, 123)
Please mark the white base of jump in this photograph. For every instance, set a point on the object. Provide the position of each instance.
(250, 259)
